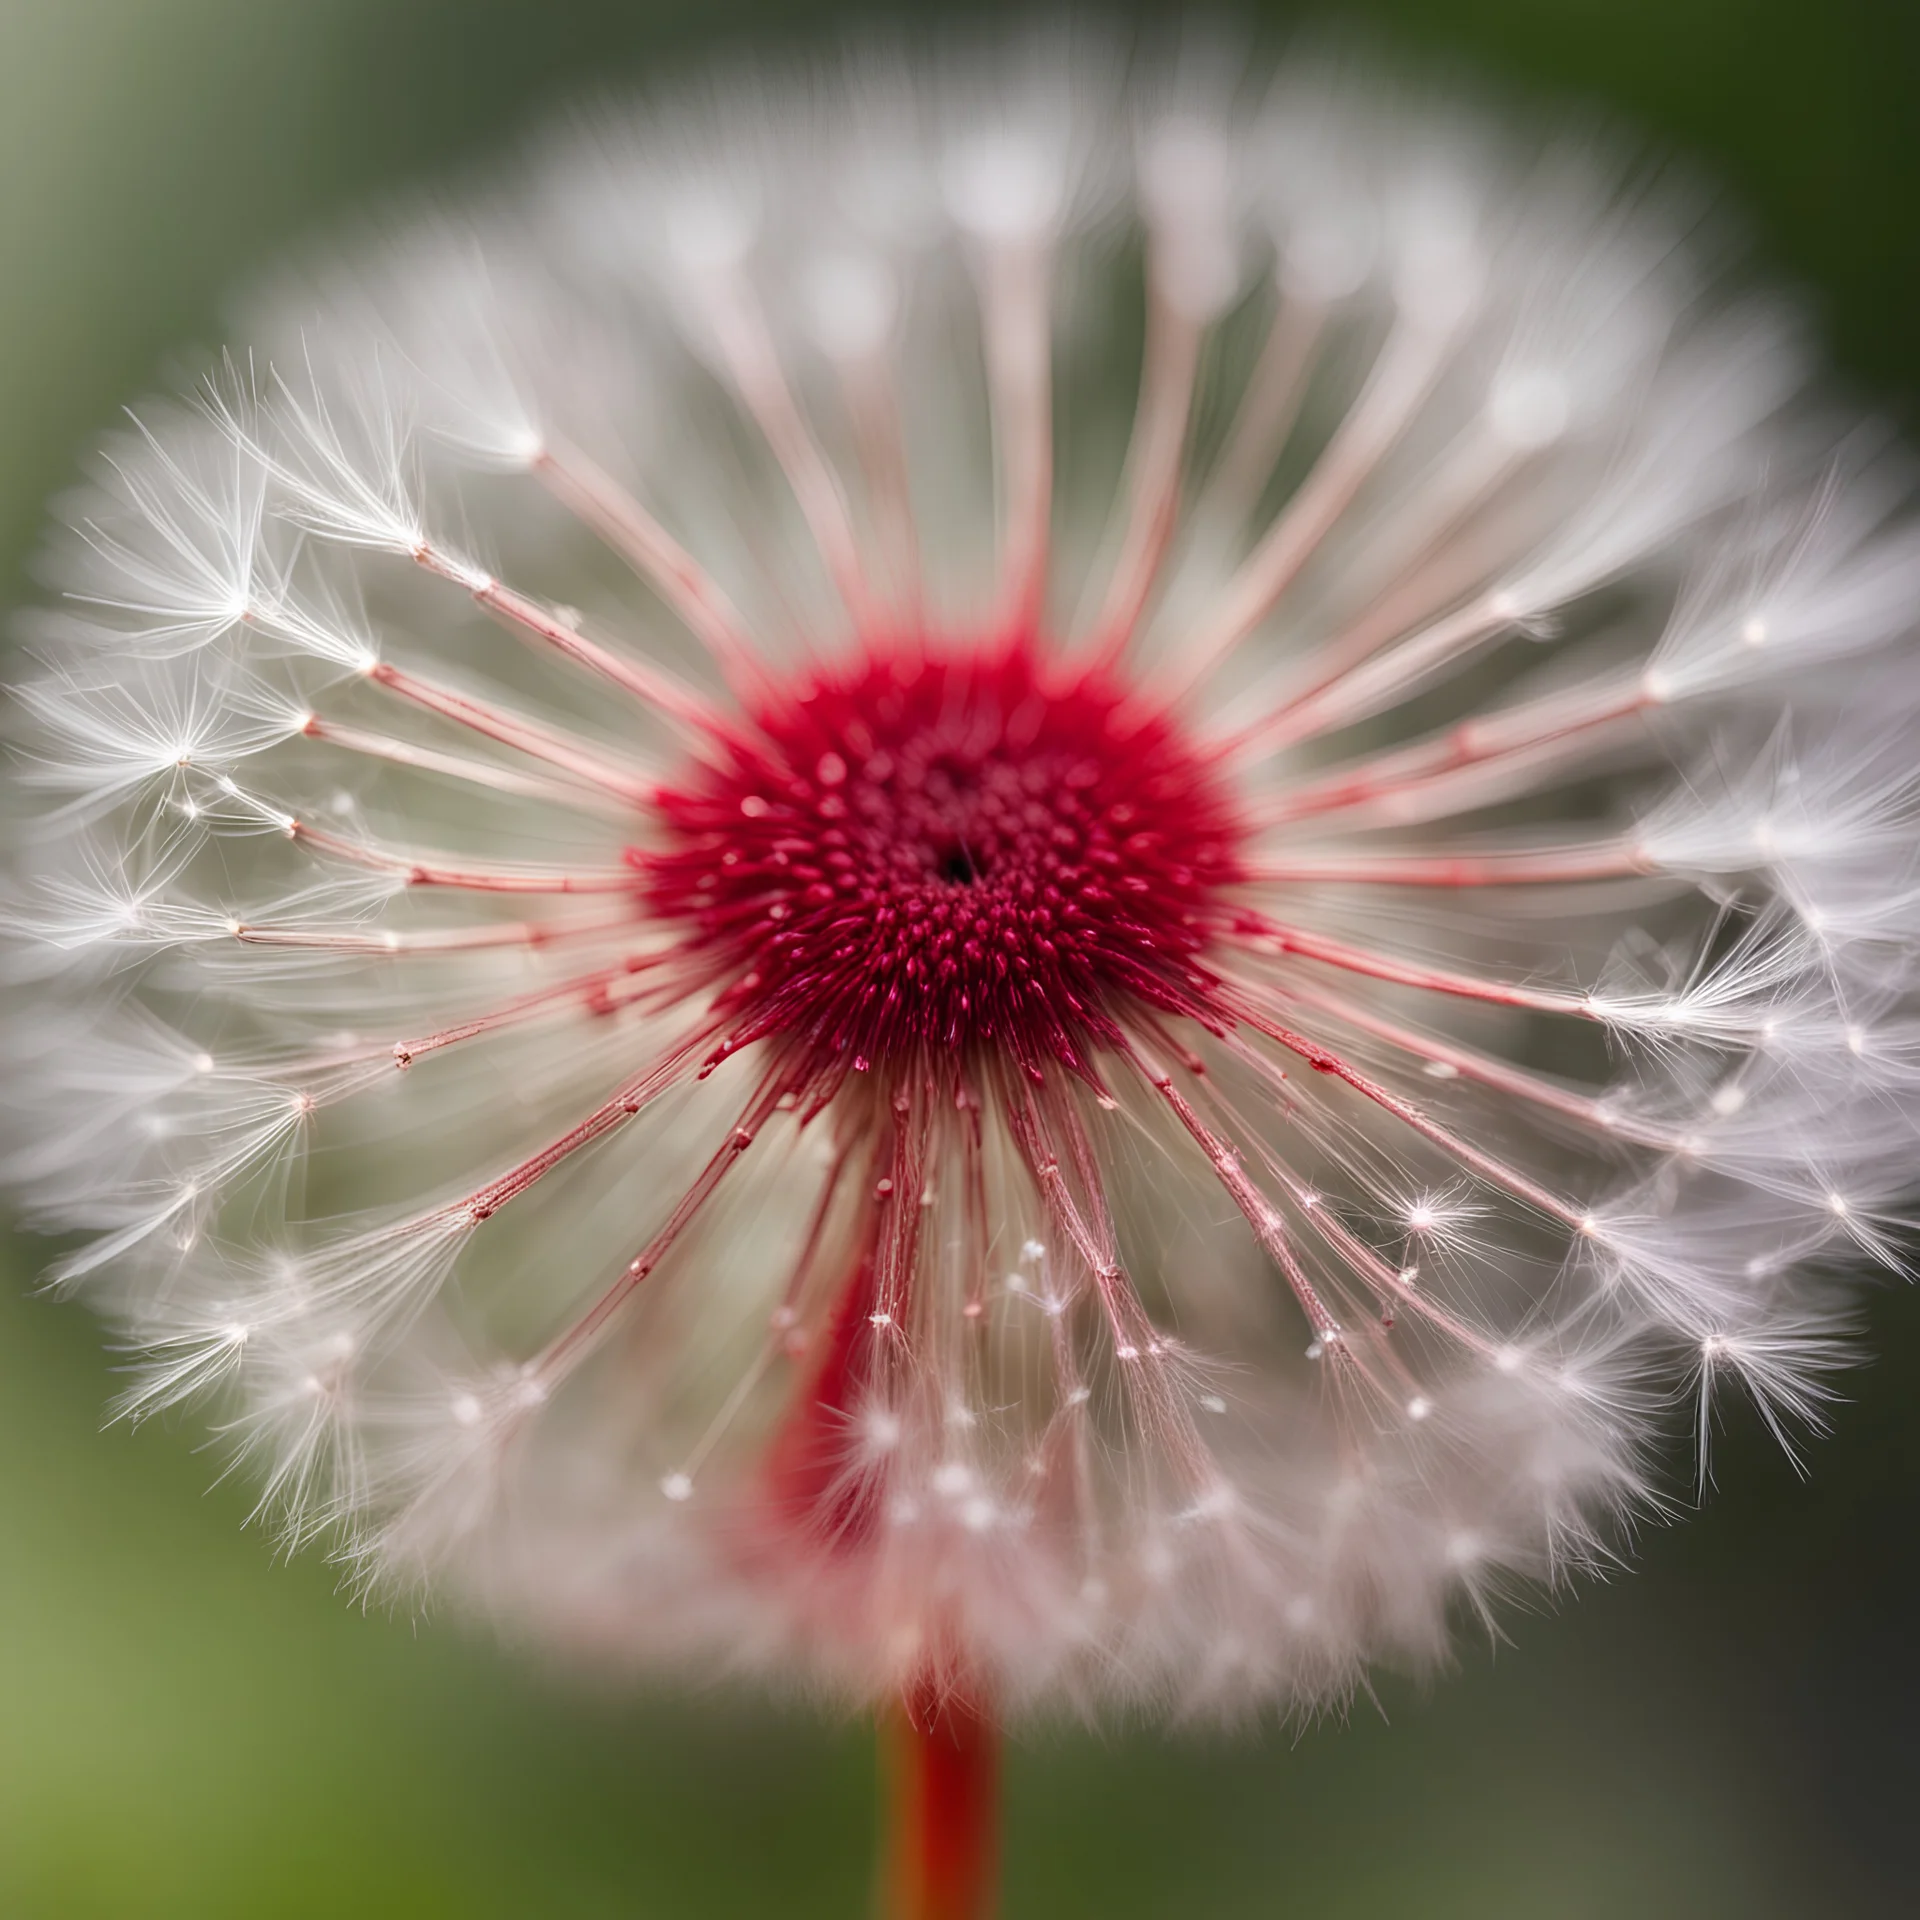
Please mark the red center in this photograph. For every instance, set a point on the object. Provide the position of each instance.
(945, 850)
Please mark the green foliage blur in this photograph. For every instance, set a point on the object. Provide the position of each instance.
(190, 1729)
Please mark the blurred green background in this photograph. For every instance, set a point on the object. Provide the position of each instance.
(188, 1728)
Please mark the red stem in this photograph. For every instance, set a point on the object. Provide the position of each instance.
(943, 1763)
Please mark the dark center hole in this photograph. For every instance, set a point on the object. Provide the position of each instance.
(958, 865)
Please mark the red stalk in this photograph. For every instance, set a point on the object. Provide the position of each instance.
(943, 1839)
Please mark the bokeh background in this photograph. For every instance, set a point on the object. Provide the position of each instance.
(190, 1728)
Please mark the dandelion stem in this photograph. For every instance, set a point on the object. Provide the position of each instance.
(942, 1759)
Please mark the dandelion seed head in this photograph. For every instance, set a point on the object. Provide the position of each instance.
(968, 905)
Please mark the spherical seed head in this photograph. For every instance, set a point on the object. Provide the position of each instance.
(977, 1008)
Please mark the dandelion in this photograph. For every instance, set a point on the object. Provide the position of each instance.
(1012, 887)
